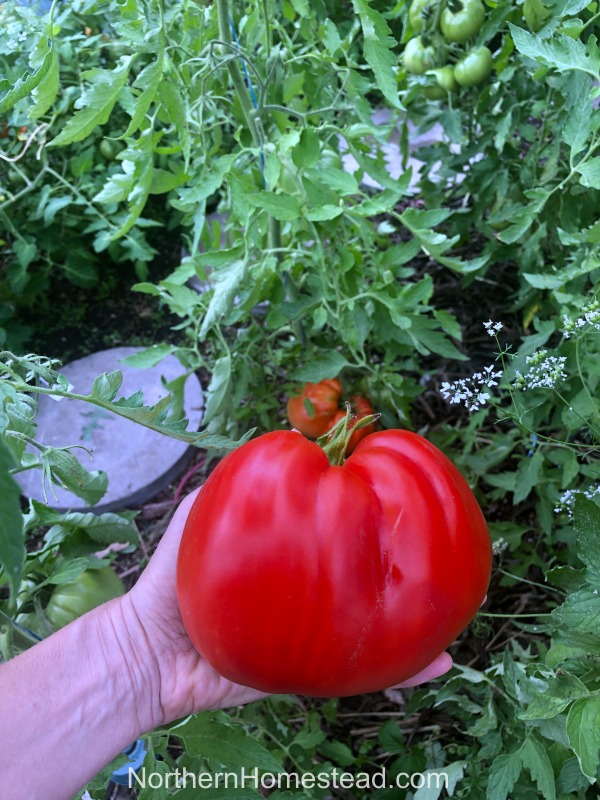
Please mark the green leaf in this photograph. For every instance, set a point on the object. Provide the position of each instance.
(529, 474)
(583, 732)
(149, 357)
(218, 388)
(581, 611)
(391, 738)
(27, 82)
(68, 472)
(96, 102)
(324, 213)
(378, 49)
(590, 173)
(229, 282)
(337, 180)
(503, 774)
(102, 528)
(325, 365)
(535, 759)
(586, 515)
(561, 52)
(45, 92)
(12, 546)
(148, 82)
(211, 736)
(106, 386)
(281, 206)
(436, 245)
(561, 690)
(176, 105)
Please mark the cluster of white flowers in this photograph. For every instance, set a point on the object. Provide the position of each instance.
(499, 546)
(590, 316)
(544, 373)
(492, 328)
(470, 391)
(567, 499)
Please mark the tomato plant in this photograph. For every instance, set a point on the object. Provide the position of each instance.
(417, 57)
(462, 19)
(90, 589)
(313, 411)
(474, 68)
(301, 572)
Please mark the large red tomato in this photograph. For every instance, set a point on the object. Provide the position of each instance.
(298, 576)
(312, 411)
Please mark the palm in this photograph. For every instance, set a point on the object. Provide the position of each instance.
(187, 682)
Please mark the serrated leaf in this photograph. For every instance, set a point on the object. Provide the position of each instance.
(106, 386)
(561, 691)
(586, 515)
(580, 612)
(12, 546)
(504, 772)
(229, 281)
(148, 82)
(590, 173)
(561, 52)
(378, 49)
(529, 474)
(27, 82)
(68, 472)
(149, 357)
(324, 213)
(322, 366)
(535, 759)
(217, 388)
(583, 732)
(208, 735)
(96, 102)
(281, 206)
(45, 92)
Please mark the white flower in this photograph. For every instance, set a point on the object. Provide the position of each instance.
(567, 499)
(492, 328)
(469, 390)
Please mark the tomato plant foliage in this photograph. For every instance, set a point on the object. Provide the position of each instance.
(257, 136)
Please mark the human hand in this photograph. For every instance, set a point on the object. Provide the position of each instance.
(182, 682)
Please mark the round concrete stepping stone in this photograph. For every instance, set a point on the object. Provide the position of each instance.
(139, 462)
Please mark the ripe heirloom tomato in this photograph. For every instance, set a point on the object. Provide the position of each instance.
(301, 572)
(313, 418)
(464, 23)
(417, 58)
(474, 67)
(362, 408)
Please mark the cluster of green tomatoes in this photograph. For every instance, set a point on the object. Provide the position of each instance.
(441, 26)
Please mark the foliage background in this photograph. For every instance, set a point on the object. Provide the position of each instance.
(123, 121)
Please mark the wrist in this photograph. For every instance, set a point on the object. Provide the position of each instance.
(131, 662)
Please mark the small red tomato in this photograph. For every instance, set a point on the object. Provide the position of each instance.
(311, 411)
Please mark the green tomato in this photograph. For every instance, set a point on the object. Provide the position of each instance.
(90, 589)
(474, 67)
(415, 13)
(107, 150)
(418, 58)
(445, 82)
(463, 24)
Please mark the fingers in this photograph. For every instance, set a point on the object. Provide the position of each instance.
(437, 667)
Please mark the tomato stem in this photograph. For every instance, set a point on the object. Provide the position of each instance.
(335, 441)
